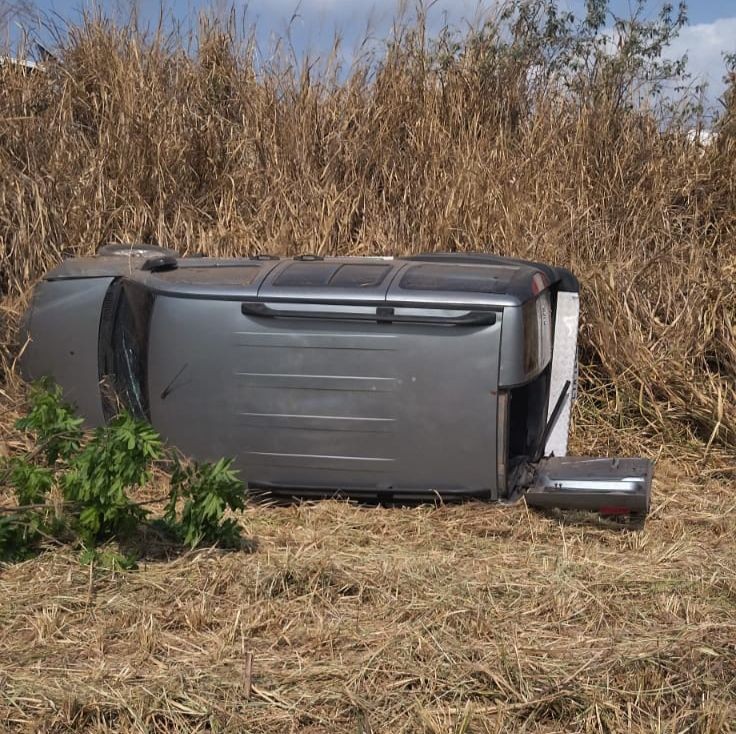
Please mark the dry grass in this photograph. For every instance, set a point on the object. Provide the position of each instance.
(128, 140)
(454, 619)
(466, 618)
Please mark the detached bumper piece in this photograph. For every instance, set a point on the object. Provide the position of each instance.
(615, 487)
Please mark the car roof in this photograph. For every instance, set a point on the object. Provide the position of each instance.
(477, 280)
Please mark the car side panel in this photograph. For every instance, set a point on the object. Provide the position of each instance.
(327, 404)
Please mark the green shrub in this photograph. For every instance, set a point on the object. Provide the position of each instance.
(207, 490)
(94, 473)
(52, 422)
(98, 478)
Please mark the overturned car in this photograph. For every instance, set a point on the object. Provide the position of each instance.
(440, 374)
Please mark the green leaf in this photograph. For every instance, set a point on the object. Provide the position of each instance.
(89, 519)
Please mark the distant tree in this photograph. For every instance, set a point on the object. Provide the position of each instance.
(727, 122)
(596, 55)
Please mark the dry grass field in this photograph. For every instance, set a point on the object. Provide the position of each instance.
(469, 618)
(345, 618)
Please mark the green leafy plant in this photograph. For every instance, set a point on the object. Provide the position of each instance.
(108, 558)
(31, 482)
(57, 430)
(21, 531)
(18, 536)
(99, 477)
(95, 473)
(208, 490)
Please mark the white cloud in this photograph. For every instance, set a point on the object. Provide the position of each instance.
(704, 44)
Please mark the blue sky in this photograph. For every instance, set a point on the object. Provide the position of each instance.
(313, 23)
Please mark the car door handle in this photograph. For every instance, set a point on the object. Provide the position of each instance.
(382, 314)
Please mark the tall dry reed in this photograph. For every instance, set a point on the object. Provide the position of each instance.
(129, 138)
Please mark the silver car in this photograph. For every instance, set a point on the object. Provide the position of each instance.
(441, 374)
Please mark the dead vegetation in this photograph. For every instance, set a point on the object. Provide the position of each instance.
(466, 618)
